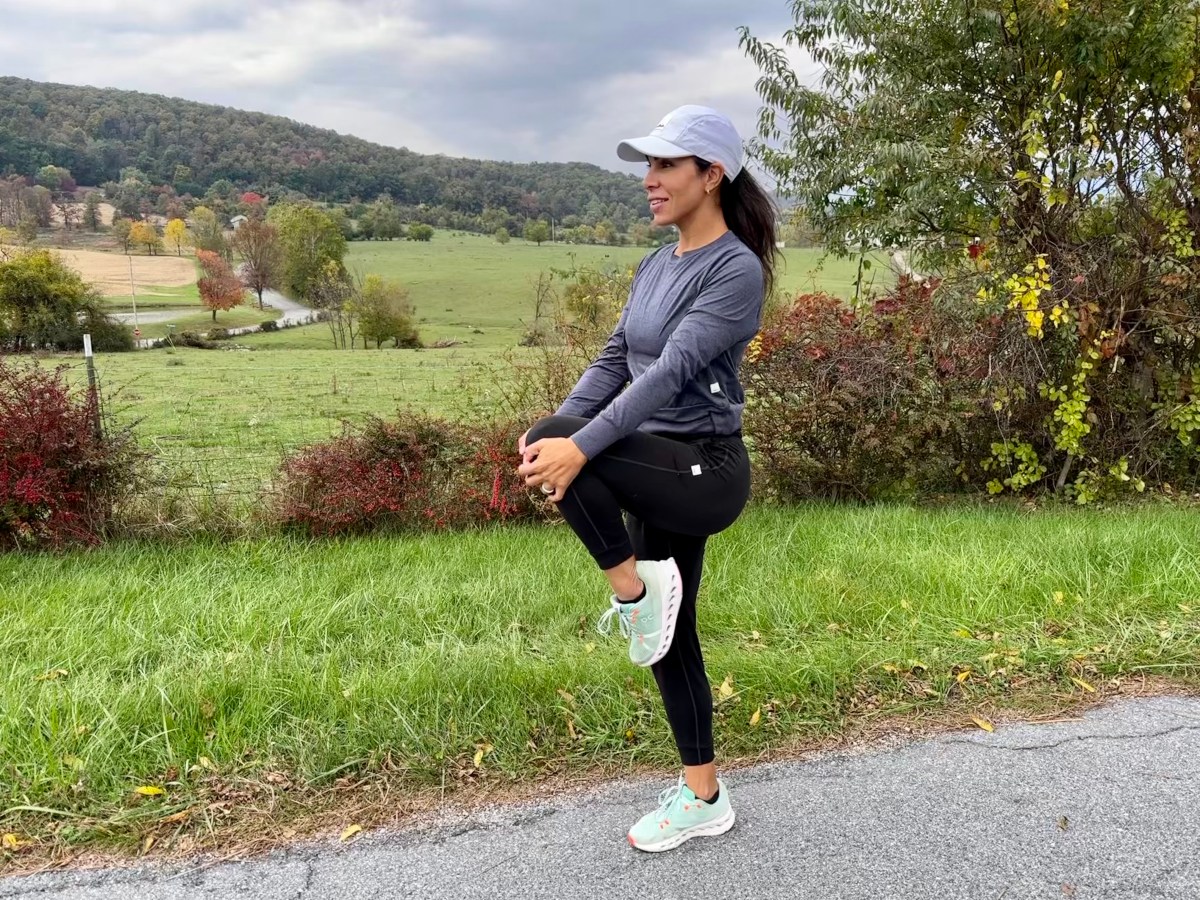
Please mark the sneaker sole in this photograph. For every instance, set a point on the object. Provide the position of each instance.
(670, 613)
(711, 829)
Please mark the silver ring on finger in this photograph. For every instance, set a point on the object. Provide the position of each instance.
(547, 489)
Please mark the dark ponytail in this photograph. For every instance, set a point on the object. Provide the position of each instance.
(750, 215)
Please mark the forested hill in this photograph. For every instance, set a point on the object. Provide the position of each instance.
(96, 132)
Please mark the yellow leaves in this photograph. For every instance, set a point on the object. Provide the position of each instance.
(53, 675)
(756, 717)
(482, 750)
(963, 633)
(10, 841)
(350, 831)
(147, 843)
(983, 723)
(725, 691)
(149, 790)
(1058, 78)
(1083, 684)
(589, 647)
(962, 676)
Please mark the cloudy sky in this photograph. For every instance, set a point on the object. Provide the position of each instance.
(522, 80)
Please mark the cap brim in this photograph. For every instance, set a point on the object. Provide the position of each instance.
(641, 149)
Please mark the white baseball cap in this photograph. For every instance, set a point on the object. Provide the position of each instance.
(689, 131)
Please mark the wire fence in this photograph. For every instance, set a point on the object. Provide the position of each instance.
(216, 426)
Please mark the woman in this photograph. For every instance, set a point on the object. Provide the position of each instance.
(668, 448)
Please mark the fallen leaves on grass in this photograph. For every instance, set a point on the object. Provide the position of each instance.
(350, 831)
(983, 723)
(725, 691)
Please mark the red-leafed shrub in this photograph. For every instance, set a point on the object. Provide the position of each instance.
(881, 401)
(59, 477)
(417, 472)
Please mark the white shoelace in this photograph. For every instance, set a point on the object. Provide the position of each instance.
(668, 797)
(604, 626)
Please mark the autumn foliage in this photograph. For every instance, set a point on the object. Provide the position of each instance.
(412, 473)
(864, 403)
(220, 289)
(59, 477)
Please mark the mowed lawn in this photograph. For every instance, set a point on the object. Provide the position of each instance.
(269, 668)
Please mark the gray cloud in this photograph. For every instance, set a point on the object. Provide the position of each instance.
(498, 79)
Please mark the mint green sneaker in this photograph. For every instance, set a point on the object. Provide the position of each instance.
(650, 623)
(681, 817)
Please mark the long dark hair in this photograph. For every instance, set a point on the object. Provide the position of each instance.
(750, 215)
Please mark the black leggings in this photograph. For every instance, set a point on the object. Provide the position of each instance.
(676, 491)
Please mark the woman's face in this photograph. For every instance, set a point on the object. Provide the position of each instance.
(676, 188)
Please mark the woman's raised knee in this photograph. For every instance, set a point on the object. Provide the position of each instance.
(554, 426)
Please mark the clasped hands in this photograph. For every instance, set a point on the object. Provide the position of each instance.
(551, 463)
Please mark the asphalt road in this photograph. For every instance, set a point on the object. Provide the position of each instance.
(292, 312)
(1107, 806)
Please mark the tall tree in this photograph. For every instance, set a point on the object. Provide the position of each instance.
(1044, 152)
(207, 233)
(385, 313)
(176, 235)
(145, 234)
(257, 243)
(122, 229)
(311, 241)
(220, 289)
(537, 232)
(91, 211)
(42, 301)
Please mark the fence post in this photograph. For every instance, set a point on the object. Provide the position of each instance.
(93, 393)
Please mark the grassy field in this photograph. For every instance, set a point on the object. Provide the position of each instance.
(208, 671)
(156, 297)
(461, 282)
(223, 419)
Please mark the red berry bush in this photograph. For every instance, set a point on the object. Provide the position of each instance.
(60, 479)
(414, 473)
(882, 401)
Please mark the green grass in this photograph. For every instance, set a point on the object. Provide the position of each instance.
(252, 406)
(460, 282)
(141, 664)
(155, 298)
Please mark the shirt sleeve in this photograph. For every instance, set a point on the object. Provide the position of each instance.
(603, 379)
(725, 312)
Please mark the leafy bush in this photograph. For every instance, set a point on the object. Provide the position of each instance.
(59, 477)
(219, 334)
(193, 339)
(866, 403)
(269, 325)
(417, 473)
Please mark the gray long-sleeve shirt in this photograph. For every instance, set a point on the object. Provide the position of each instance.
(678, 345)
